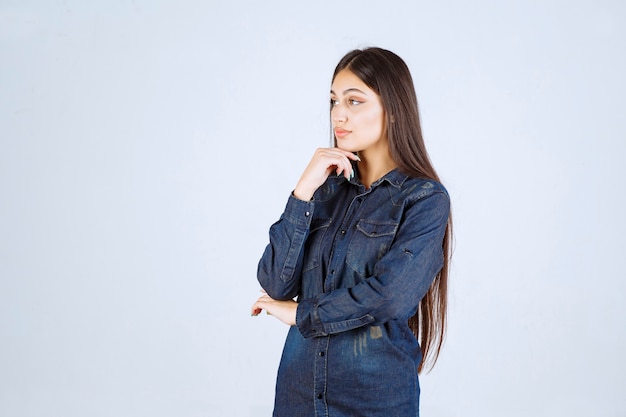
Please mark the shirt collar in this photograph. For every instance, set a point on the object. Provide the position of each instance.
(394, 177)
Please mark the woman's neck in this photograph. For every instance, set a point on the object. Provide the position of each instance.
(374, 167)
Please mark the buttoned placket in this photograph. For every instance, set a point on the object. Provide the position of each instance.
(320, 384)
(339, 247)
(321, 355)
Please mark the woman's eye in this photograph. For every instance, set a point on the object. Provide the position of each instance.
(352, 102)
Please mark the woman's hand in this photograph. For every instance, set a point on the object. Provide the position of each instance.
(324, 161)
(284, 311)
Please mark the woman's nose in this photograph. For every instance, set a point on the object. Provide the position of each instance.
(338, 114)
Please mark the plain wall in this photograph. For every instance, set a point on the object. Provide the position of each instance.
(147, 146)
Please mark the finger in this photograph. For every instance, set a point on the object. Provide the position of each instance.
(264, 299)
(349, 154)
(255, 310)
(346, 173)
(262, 304)
(258, 307)
(353, 156)
(338, 163)
(258, 310)
(344, 168)
(347, 169)
(342, 163)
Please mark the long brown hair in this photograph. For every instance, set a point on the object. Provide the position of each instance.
(388, 75)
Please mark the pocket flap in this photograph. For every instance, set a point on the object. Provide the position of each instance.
(374, 229)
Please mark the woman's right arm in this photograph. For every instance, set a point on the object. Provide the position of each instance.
(281, 264)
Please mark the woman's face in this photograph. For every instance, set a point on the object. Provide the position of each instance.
(356, 113)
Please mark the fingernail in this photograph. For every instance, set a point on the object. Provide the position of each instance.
(351, 174)
(357, 158)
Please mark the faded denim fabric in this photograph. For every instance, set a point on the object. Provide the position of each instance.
(358, 261)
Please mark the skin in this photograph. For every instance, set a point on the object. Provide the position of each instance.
(358, 118)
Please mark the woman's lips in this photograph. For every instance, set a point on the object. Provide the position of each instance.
(340, 133)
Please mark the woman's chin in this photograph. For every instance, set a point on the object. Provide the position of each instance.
(346, 147)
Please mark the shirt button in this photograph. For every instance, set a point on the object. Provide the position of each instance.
(307, 214)
(322, 353)
(320, 396)
(343, 232)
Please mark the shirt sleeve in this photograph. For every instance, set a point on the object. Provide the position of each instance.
(400, 278)
(281, 264)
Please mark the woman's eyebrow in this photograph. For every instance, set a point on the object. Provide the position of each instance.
(350, 90)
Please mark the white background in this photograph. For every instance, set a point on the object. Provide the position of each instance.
(147, 146)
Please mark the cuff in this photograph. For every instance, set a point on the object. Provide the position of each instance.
(299, 212)
(308, 320)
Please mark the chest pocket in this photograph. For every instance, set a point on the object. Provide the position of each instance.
(369, 243)
(312, 253)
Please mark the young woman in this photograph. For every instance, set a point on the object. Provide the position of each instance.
(364, 245)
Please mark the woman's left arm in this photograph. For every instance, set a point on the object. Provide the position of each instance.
(400, 278)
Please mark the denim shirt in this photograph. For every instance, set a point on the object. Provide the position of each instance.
(359, 261)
